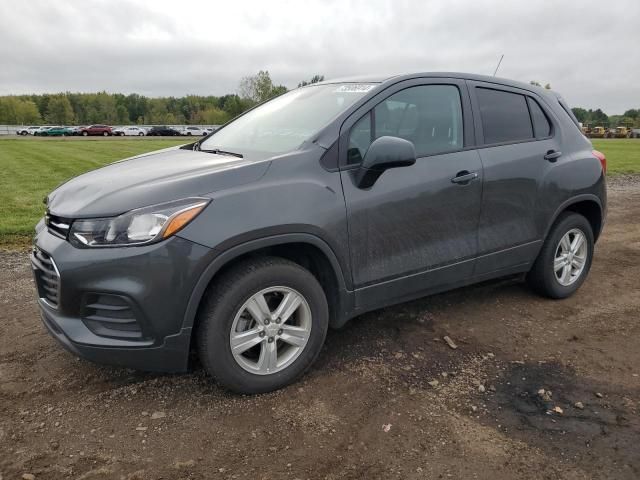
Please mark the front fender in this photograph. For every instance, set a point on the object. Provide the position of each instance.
(232, 253)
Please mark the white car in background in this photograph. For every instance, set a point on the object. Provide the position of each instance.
(41, 129)
(129, 131)
(189, 131)
(27, 130)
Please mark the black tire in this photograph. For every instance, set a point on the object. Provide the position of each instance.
(226, 297)
(85, 134)
(23, 133)
(542, 277)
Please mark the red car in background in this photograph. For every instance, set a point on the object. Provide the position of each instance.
(104, 130)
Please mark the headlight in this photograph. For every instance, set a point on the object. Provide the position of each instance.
(137, 227)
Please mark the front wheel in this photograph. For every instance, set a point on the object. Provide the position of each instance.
(565, 258)
(262, 325)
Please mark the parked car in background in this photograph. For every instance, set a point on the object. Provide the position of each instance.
(189, 131)
(163, 130)
(27, 130)
(354, 196)
(41, 131)
(103, 130)
(129, 131)
(57, 131)
(75, 130)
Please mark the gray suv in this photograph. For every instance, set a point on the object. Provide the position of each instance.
(329, 201)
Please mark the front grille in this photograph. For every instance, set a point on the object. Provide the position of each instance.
(47, 276)
(110, 315)
(58, 226)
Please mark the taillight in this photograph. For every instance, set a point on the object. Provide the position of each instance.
(603, 160)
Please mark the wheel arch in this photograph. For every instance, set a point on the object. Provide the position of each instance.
(307, 250)
(587, 205)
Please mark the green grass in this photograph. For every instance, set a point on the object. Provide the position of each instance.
(31, 168)
(623, 155)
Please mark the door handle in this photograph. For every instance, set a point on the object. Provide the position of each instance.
(464, 177)
(552, 155)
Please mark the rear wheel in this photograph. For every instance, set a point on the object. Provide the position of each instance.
(105, 134)
(565, 258)
(85, 134)
(262, 325)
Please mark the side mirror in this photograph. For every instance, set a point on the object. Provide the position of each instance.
(384, 153)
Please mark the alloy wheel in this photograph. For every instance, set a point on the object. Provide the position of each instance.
(570, 257)
(270, 330)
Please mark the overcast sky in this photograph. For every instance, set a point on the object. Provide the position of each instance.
(588, 50)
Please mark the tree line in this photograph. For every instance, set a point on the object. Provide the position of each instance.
(594, 118)
(118, 109)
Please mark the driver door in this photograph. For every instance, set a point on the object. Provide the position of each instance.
(416, 229)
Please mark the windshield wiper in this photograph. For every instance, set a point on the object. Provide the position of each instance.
(217, 151)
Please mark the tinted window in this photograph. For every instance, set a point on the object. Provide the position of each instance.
(286, 122)
(505, 116)
(541, 125)
(359, 139)
(430, 116)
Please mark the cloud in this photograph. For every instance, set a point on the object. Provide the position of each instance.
(586, 51)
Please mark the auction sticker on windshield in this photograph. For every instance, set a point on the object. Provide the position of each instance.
(354, 88)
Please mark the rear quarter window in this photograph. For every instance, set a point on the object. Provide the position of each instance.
(541, 124)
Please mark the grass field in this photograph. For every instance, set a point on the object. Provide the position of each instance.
(30, 168)
(623, 155)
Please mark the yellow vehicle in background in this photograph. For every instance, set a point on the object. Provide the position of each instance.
(620, 132)
(598, 132)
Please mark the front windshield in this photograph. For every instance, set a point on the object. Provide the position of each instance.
(284, 123)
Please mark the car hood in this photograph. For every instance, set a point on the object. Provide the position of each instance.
(148, 179)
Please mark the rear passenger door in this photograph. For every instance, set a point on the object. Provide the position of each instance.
(517, 145)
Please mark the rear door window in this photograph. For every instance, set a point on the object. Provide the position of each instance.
(505, 116)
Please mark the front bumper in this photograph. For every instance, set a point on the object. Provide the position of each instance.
(121, 306)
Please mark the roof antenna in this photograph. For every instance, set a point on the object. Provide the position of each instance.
(499, 62)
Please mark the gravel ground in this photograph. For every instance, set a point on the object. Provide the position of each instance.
(536, 389)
